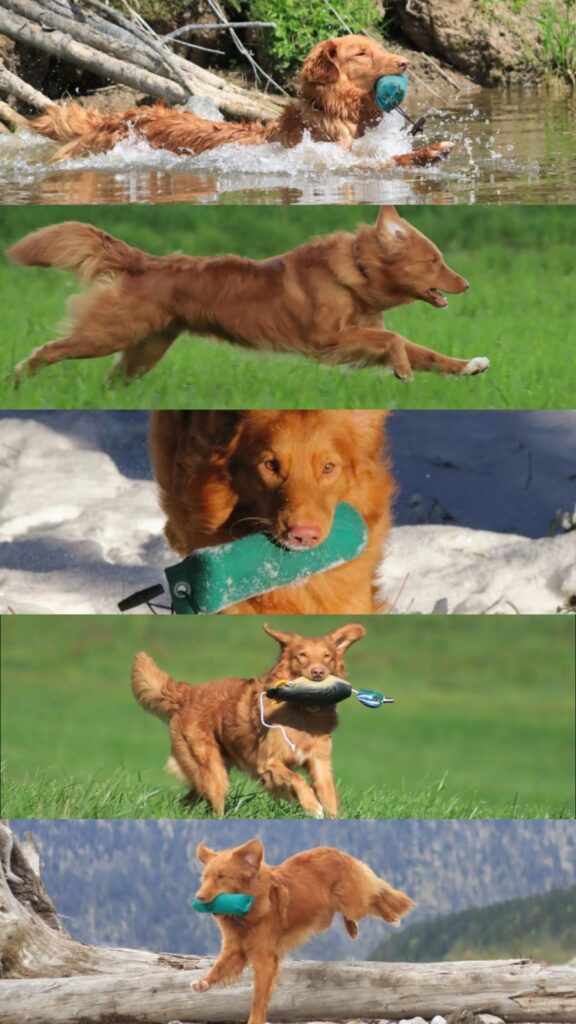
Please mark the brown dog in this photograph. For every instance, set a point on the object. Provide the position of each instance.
(215, 726)
(292, 902)
(324, 299)
(335, 104)
(225, 475)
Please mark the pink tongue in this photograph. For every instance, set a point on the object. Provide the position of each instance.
(439, 300)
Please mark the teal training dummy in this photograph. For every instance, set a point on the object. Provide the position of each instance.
(211, 579)
(390, 91)
(226, 903)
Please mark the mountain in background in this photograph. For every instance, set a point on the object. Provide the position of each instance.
(539, 927)
(131, 883)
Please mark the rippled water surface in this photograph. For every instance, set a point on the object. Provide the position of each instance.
(512, 146)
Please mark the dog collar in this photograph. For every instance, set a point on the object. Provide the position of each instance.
(357, 260)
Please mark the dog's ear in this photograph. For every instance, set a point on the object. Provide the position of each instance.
(321, 65)
(208, 429)
(389, 225)
(204, 853)
(278, 634)
(347, 635)
(251, 854)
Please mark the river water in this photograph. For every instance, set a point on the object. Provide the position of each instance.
(514, 145)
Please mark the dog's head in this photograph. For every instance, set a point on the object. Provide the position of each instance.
(350, 62)
(405, 263)
(314, 657)
(229, 871)
(289, 471)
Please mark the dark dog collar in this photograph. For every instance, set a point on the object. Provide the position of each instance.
(357, 260)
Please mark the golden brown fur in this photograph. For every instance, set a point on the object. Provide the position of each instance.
(324, 299)
(215, 726)
(224, 475)
(292, 902)
(335, 104)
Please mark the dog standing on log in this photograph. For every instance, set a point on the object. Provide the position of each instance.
(324, 299)
(335, 104)
(218, 725)
(292, 902)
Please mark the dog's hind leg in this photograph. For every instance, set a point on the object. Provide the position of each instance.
(142, 357)
(426, 359)
(56, 351)
(199, 759)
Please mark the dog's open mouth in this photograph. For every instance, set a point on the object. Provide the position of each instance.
(435, 298)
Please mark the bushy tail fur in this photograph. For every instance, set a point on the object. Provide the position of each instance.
(389, 903)
(81, 248)
(154, 689)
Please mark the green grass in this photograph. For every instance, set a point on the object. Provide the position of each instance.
(557, 38)
(520, 311)
(483, 724)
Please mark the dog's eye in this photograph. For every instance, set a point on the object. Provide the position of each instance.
(435, 259)
(328, 467)
(272, 466)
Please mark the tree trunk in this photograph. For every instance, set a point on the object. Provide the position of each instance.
(515, 990)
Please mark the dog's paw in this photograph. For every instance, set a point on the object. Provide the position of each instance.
(200, 986)
(319, 812)
(474, 366)
(407, 378)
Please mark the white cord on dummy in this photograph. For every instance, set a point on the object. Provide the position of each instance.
(292, 746)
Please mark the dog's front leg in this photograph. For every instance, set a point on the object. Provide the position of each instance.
(320, 771)
(226, 968)
(280, 780)
(427, 359)
(369, 346)
(265, 967)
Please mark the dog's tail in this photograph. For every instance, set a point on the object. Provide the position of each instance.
(85, 250)
(389, 903)
(154, 689)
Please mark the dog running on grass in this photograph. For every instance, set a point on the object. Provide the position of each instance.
(292, 902)
(324, 299)
(219, 725)
(335, 103)
(226, 475)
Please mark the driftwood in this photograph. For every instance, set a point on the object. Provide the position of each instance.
(116, 48)
(515, 990)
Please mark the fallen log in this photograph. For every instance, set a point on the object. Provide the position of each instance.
(11, 83)
(515, 990)
(68, 20)
(16, 22)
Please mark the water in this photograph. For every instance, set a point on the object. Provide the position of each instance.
(516, 145)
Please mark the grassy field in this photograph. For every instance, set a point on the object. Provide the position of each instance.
(520, 311)
(483, 724)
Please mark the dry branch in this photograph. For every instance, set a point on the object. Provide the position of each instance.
(515, 990)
